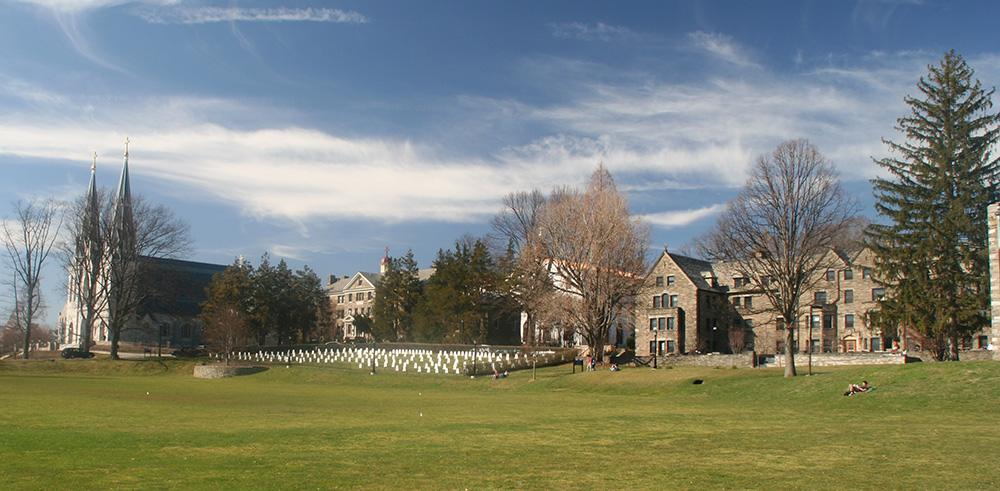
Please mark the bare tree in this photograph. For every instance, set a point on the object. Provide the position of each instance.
(529, 284)
(778, 231)
(131, 261)
(29, 238)
(595, 253)
(226, 330)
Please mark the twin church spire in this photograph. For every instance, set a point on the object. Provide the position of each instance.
(123, 221)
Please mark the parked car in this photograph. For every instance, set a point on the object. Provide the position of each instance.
(76, 353)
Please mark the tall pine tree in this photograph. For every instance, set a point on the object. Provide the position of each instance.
(396, 298)
(932, 256)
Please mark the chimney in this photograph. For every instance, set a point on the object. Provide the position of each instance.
(331, 279)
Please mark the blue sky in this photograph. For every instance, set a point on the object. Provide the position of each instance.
(324, 132)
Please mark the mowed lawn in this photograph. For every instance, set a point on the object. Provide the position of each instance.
(98, 424)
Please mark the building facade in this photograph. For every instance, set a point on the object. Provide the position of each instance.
(688, 305)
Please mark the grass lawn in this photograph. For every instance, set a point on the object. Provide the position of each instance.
(98, 424)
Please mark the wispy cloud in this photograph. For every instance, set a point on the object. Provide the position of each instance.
(591, 32)
(680, 218)
(205, 15)
(76, 6)
(722, 47)
(694, 135)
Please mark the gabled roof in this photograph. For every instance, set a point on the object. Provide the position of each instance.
(372, 279)
(694, 269)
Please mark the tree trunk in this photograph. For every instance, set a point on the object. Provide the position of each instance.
(790, 351)
(114, 334)
(27, 339)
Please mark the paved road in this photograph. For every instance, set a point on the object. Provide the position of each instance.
(134, 356)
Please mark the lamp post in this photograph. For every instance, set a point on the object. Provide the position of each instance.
(656, 346)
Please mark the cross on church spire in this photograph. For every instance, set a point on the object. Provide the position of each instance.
(93, 166)
(127, 141)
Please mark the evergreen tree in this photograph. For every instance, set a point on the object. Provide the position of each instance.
(460, 301)
(395, 299)
(932, 255)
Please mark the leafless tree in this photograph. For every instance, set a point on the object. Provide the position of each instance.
(226, 330)
(517, 226)
(778, 230)
(595, 253)
(29, 238)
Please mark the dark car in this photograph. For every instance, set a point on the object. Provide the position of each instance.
(76, 353)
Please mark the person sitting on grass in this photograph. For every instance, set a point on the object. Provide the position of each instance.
(854, 388)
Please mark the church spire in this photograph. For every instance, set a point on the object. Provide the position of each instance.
(123, 222)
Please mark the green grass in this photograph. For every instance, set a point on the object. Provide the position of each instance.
(90, 424)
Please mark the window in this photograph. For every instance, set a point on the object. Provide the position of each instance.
(671, 323)
(652, 348)
(340, 299)
(848, 321)
(659, 281)
(848, 296)
(814, 321)
(819, 298)
(740, 282)
(652, 323)
(827, 345)
(661, 323)
(671, 346)
(878, 294)
(876, 344)
(866, 273)
(371, 295)
(831, 275)
(350, 297)
(670, 280)
(828, 321)
(736, 301)
(848, 274)
(656, 302)
(673, 300)
(748, 302)
(665, 300)
(781, 324)
(814, 345)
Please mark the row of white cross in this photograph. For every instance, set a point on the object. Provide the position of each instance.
(400, 360)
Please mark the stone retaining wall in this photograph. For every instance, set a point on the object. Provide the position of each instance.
(838, 359)
(223, 371)
(979, 355)
(742, 360)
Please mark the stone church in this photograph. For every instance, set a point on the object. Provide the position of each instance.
(171, 290)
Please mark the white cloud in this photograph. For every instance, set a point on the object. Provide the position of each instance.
(722, 47)
(591, 32)
(77, 6)
(204, 15)
(693, 135)
(680, 218)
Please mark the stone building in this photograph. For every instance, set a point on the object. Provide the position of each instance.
(171, 290)
(688, 305)
(351, 296)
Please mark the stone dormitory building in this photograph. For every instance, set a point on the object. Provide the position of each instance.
(689, 305)
(351, 296)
